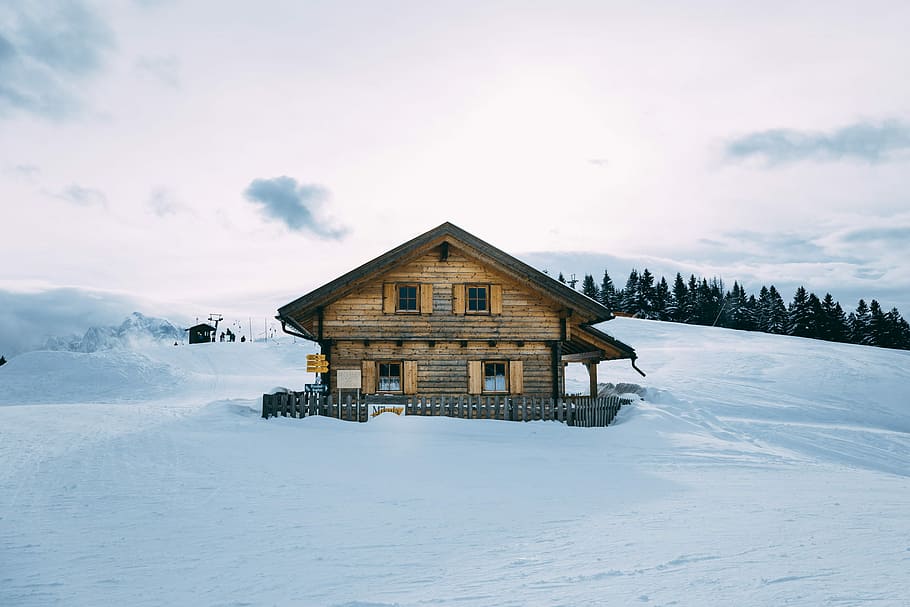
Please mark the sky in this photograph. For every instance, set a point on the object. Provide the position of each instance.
(198, 157)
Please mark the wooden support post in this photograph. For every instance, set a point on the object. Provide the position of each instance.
(556, 369)
(592, 376)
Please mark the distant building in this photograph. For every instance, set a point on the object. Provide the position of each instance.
(201, 333)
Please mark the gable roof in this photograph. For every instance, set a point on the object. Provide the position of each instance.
(589, 310)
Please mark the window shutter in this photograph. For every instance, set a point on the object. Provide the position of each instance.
(516, 377)
(475, 377)
(368, 377)
(388, 298)
(426, 299)
(458, 299)
(495, 299)
(410, 377)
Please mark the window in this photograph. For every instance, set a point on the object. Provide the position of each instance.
(494, 377)
(407, 298)
(390, 377)
(478, 300)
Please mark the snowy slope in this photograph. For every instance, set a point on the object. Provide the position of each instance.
(758, 470)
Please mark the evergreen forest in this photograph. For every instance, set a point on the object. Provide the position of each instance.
(700, 301)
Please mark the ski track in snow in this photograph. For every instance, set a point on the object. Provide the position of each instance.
(758, 470)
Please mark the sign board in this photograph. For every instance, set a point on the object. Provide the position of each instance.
(317, 363)
(380, 409)
(318, 388)
(348, 379)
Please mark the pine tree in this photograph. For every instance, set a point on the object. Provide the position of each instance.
(842, 330)
(816, 317)
(676, 308)
(859, 324)
(878, 328)
(799, 315)
(738, 311)
(630, 293)
(692, 308)
(662, 300)
(898, 330)
(750, 314)
(834, 322)
(777, 312)
(708, 301)
(645, 296)
(763, 311)
(562, 278)
(589, 288)
(607, 291)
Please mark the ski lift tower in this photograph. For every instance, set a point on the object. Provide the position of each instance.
(215, 318)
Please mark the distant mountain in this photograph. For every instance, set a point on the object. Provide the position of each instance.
(135, 328)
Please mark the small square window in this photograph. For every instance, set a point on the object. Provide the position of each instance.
(494, 377)
(407, 298)
(389, 377)
(478, 300)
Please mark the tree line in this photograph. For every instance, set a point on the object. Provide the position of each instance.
(700, 301)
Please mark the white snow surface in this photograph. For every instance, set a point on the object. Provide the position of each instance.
(756, 470)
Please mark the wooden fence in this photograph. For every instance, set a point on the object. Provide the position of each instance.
(581, 411)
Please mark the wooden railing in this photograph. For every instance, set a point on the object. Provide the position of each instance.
(582, 411)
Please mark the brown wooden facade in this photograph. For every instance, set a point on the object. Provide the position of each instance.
(447, 313)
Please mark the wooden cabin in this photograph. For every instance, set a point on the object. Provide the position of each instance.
(201, 334)
(447, 313)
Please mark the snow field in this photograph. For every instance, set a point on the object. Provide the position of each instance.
(748, 475)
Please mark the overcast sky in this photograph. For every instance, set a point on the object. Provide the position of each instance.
(234, 155)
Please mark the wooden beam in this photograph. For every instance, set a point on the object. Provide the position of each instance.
(583, 357)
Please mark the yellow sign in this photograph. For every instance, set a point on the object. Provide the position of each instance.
(380, 409)
(316, 363)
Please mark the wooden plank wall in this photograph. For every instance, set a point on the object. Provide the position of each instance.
(525, 314)
(443, 368)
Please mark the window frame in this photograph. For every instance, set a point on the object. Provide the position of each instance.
(486, 298)
(379, 376)
(505, 376)
(411, 285)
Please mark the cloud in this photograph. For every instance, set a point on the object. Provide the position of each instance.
(24, 171)
(769, 247)
(895, 236)
(29, 318)
(870, 142)
(295, 205)
(165, 70)
(164, 202)
(85, 197)
(47, 50)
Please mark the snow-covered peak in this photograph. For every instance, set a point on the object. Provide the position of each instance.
(137, 327)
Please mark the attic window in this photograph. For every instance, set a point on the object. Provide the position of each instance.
(478, 300)
(407, 298)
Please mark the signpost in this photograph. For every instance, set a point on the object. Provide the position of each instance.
(316, 363)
